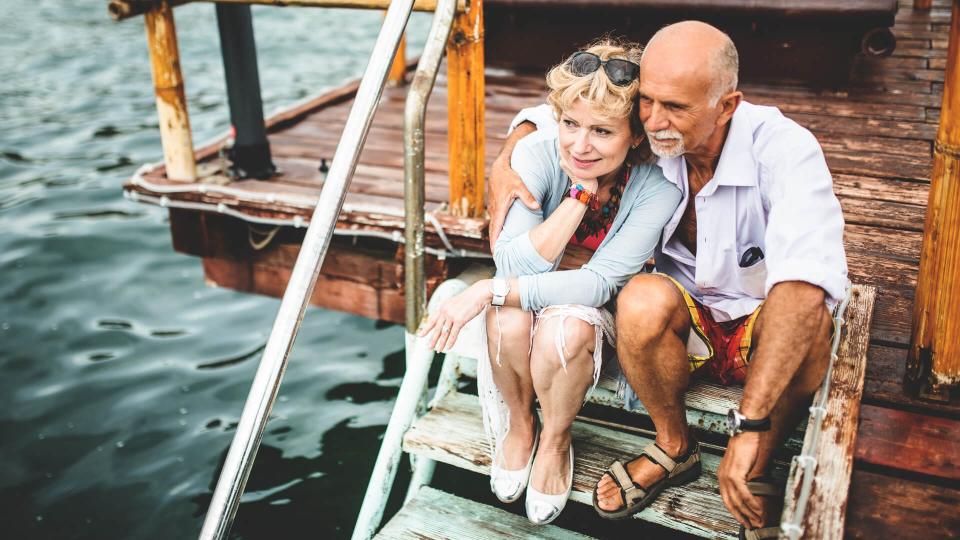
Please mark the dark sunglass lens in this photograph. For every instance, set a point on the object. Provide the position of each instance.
(583, 64)
(621, 72)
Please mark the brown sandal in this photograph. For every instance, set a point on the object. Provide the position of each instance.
(762, 486)
(680, 470)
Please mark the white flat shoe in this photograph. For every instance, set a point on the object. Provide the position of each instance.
(509, 485)
(543, 508)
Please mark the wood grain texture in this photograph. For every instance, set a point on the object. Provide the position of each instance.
(909, 442)
(826, 509)
(900, 509)
(435, 515)
(452, 432)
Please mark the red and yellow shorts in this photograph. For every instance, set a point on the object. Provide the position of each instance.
(724, 349)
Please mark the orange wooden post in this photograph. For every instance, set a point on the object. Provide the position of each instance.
(398, 69)
(934, 358)
(175, 134)
(465, 110)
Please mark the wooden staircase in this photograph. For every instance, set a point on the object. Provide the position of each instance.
(451, 432)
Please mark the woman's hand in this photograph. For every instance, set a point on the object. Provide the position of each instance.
(445, 324)
(589, 184)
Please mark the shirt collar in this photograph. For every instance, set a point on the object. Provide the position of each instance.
(737, 166)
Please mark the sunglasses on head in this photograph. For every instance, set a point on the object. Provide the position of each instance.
(620, 72)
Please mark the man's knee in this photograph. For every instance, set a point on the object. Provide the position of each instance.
(648, 306)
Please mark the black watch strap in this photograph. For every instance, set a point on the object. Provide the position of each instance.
(755, 425)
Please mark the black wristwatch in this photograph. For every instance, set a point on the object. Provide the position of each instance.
(737, 422)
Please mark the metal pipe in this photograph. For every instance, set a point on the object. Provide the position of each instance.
(415, 112)
(250, 154)
(419, 358)
(263, 393)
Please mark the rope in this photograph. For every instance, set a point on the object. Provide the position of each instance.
(297, 222)
(258, 245)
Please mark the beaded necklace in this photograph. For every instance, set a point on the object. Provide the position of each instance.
(595, 221)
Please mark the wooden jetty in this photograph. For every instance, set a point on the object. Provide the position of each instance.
(879, 131)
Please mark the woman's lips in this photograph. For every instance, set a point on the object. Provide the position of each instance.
(583, 164)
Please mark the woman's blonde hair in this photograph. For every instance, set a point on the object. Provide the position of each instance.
(606, 98)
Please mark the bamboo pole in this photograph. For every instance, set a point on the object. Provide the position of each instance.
(934, 358)
(124, 9)
(465, 112)
(171, 100)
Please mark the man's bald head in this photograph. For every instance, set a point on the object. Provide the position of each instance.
(699, 47)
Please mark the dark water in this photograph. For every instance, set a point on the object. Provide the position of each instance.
(121, 374)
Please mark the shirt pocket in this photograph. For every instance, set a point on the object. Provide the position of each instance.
(753, 279)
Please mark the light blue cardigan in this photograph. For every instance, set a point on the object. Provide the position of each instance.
(648, 201)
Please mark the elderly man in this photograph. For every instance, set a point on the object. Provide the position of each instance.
(758, 227)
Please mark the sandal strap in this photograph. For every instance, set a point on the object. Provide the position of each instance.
(764, 488)
(658, 456)
(761, 534)
(631, 491)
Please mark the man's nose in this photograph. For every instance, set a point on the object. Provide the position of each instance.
(657, 119)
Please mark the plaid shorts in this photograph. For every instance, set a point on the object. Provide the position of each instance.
(719, 351)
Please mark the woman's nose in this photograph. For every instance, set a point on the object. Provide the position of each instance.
(581, 144)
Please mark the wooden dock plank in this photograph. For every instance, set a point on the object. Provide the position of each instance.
(891, 508)
(910, 442)
(827, 505)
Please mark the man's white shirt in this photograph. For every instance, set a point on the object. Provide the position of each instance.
(771, 190)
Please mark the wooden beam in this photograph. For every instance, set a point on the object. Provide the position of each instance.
(909, 442)
(125, 9)
(175, 133)
(465, 110)
(934, 361)
(826, 508)
(922, 5)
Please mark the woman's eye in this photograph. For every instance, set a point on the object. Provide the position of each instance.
(569, 123)
(602, 132)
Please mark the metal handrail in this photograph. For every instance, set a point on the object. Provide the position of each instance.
(418, 354)
(266, 383)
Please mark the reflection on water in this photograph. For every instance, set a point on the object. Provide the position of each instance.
(121, 375)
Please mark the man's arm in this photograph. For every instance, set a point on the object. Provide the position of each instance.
(506, 185)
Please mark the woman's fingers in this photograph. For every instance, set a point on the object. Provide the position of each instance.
(452, 336)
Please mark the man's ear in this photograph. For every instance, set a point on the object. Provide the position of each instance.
(729, 103)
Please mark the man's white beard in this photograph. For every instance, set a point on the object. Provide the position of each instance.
(671, 151)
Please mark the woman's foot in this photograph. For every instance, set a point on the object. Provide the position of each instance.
(642, 471)
(551, 468)
(518, 445)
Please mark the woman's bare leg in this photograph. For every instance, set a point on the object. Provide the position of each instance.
(512, 377)
(561, 394)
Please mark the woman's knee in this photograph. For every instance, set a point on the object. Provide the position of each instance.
(510, 325)
(579, 339)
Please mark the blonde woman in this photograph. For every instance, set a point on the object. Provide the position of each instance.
(597, 188)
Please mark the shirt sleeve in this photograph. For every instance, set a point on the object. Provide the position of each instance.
(541, 116)
(514, 253)
(804, 237)
(617, 260)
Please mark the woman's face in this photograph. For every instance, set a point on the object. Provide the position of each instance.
(593, 146)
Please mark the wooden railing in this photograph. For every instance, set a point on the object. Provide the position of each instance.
(934, 358)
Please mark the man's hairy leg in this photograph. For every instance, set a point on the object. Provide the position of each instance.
(506, 185)
(652, 325)
(792, 348)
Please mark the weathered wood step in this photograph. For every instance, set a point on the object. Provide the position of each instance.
(452, 432)
(434, 515)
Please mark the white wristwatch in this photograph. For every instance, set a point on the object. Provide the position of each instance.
(500, 288)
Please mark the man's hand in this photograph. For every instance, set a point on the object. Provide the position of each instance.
(739, 459)
(506, 185)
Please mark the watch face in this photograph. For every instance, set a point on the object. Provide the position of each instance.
(732, 423)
